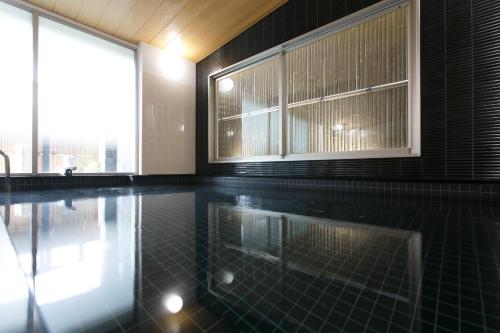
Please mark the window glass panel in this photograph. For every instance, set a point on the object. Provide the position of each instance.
(16, 87)
(86, 102)
(348, 91)
(247, 112)
(361, 122)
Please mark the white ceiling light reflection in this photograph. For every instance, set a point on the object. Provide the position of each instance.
(173, 303)
(226, 85)
(226, 277)
(338, 127)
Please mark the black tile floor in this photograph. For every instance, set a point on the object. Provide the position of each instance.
(209, 259)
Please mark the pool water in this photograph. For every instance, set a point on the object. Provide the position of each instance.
(193, 259)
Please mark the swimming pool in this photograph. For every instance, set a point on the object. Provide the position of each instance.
(199, 258)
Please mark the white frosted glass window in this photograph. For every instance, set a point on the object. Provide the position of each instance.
(247, 112)
(86, 102)
(16, 87)
(348, 91)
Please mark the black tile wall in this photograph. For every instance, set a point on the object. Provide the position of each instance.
(460, 92)
(486, 88)
(34, 183)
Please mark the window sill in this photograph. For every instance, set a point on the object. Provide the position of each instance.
(62, 175)
(347, 155)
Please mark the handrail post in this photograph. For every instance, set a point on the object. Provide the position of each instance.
(7, 171)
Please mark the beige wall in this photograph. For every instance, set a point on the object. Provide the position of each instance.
(167, 117)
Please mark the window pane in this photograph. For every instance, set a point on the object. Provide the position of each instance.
(363, 122)
(247, 112)
(348, 92)
(86, 102)
(16, 87)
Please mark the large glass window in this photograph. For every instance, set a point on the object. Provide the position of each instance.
(348, 92)
(84, 113)
(247, 112)
(86, 102)
(16, 87)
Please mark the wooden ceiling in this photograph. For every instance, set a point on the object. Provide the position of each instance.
(195, 28)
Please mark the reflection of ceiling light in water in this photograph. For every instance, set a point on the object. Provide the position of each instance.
(338, 127)
(173, 303)
(226, 85)
(226, 277)
(229, 133)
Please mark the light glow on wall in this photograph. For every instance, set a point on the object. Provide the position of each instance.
(172, 65)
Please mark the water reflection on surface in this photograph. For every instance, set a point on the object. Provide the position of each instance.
(278, 266)
(14, 294)
(84, 270)
(188, 260)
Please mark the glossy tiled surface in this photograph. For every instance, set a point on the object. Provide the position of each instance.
(256, 261)
(16, 304)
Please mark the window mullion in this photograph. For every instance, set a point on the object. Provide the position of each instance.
(34, 135)
(283, 93)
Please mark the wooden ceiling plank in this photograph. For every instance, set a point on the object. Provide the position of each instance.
(212, 28)
(68, 8)
(179, 23)
(198, 29)
(137, 18)
(92, 11)
(117, 12)
(232, 27)
(162, 16)
(45, 4)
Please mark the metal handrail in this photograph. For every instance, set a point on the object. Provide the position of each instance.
(7, 170)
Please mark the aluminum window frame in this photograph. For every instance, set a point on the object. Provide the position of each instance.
(260, 157)
(413, 148)
(38, 12)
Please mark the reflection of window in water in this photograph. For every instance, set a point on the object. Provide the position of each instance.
(255, 254)
(14, 296)
(84, 250)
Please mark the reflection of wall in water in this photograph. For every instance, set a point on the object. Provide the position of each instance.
(168, 221)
